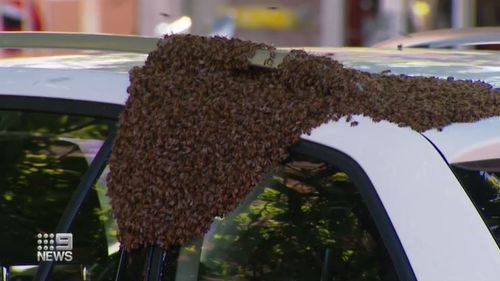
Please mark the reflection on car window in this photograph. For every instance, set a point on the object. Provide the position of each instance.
(95, 236)
(484, 190)
(307, 222)
(43, 157)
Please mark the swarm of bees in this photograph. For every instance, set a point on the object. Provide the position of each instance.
(202, 127)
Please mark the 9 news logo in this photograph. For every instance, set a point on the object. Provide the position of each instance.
(54, 247)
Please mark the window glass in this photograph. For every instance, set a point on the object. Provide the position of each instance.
(43, 157)
(307, 222)
(483, 189)
(95, 243)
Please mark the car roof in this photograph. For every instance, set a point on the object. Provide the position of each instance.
(89, 76)
(87, 60)
(476, 65)
(103, 77)
(469, 145)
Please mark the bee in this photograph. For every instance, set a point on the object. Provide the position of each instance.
(165, 15)
(269, 62)
(272, 54)
(305, 92)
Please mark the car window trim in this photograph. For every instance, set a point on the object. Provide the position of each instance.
(62, 106)
(122, 264)
(155, 261)
(369, 194)
(87, 181)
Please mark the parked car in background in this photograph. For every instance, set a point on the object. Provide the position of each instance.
(486, 38)
(370, 202)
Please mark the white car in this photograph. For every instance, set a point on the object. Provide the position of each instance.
(370, 202)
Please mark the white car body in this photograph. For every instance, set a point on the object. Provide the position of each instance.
(439, 228)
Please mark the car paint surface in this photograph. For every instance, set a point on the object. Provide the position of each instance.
(99, 86)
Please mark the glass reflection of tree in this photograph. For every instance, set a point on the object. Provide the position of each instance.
(308, 223)
(484, 190)
(40, 171)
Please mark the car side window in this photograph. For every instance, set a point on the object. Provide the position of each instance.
(306, 222)
(95, 242)
(44, 156)
(483, 188)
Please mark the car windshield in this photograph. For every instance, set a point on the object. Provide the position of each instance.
(43, 157)
(483, 187)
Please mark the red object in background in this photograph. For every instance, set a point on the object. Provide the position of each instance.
(14, 19)
(358, 12)
(354, 31)
(13, 16)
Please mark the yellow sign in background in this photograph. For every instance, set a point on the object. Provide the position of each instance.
(257, 17)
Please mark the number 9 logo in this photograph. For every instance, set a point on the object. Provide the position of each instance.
(64, 241)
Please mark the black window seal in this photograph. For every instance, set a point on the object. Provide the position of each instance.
(60, 105)
(369, 194)
(122, 264)
(436, 148)
(87, 182)
(155, 260)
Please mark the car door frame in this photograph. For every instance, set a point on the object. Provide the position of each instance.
(443, 235)
(370, 197)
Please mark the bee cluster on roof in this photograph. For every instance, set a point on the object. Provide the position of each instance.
(202, 127)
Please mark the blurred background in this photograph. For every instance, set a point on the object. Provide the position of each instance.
(282, 23)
